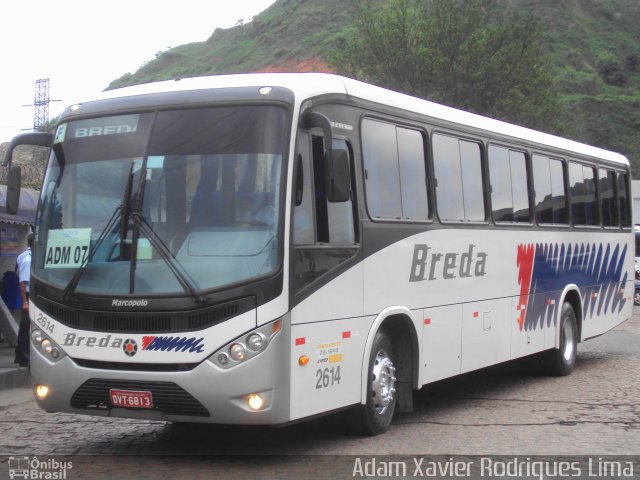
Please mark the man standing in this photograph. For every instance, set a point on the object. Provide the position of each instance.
(24, 275)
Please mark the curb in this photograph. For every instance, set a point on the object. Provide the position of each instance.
(14, 377)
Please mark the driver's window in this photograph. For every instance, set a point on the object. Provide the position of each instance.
(324, 233)
(303, 216)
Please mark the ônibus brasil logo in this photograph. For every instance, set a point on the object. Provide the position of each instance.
(27, 467)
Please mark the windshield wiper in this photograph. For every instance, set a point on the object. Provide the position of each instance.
(183, 277)
(124, 218)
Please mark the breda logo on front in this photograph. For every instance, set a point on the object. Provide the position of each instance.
(129, 346)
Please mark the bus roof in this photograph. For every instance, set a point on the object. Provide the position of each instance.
(307, 85)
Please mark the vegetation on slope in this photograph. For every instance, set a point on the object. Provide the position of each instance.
(593, 47)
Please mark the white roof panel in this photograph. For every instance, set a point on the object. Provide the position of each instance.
(307, 85)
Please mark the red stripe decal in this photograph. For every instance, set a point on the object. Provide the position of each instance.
(525, 266)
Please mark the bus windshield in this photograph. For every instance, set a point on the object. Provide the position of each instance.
(164, 202)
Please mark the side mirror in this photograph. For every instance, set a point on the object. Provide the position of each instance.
(13, 190)
(38, 139)
(336, 162)
(337, 176)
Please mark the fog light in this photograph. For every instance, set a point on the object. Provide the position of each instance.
(255, 342)
(255, 401)
(42, 392)
(36, 335)
(237, 352)
(46, 346)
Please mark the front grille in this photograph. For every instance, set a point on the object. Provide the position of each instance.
(135, 367)
(145, 322)
(115, 323)
(168, 397)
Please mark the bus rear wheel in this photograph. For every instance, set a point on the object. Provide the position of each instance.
(375, 416)
(560, 361)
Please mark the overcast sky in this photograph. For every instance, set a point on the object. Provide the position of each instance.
(81, 46)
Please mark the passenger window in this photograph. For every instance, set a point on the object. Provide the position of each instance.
(623, 200)
(509, 191)
(520, 187)
(395, 173)
(413, 175)
(584, 207)
(608, 204)
(458, 170)
(550, 195)
(381, 174)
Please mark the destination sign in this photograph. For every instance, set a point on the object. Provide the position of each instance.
(98, 126)
(67, 247)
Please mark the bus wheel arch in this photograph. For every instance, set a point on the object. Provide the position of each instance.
(399, 326)
(571, 295)
(561, 360)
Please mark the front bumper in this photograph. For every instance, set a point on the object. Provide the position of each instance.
(205, 394)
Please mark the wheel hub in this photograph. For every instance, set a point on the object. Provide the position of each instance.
(383, 383)
(568, 340)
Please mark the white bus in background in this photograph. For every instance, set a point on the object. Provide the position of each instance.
(260, 249)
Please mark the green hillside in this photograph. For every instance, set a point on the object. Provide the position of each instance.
(594, 47)
(288, 32)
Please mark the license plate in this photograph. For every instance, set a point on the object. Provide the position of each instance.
(131, 398)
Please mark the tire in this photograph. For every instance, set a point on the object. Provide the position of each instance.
(375, 416)
(560, 361)
(636, 296)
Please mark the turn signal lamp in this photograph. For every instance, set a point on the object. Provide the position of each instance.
(277, 326)
(42, 392)
(303, 360)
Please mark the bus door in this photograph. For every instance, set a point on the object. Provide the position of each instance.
(327, 324)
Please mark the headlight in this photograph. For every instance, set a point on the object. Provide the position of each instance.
(255, 342)
(237, 352)
(36, 335)
(45, 345)
(246, 346)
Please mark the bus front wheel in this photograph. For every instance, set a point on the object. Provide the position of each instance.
(375, 416)
(560, 361)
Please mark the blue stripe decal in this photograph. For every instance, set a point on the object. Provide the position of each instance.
(597, 270)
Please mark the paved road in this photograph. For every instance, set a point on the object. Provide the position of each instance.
(503, 410)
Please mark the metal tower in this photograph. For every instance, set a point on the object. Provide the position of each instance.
(41, 104)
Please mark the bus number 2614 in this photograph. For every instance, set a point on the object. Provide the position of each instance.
(327, 377)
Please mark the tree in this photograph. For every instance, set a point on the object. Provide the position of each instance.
(463, 53)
